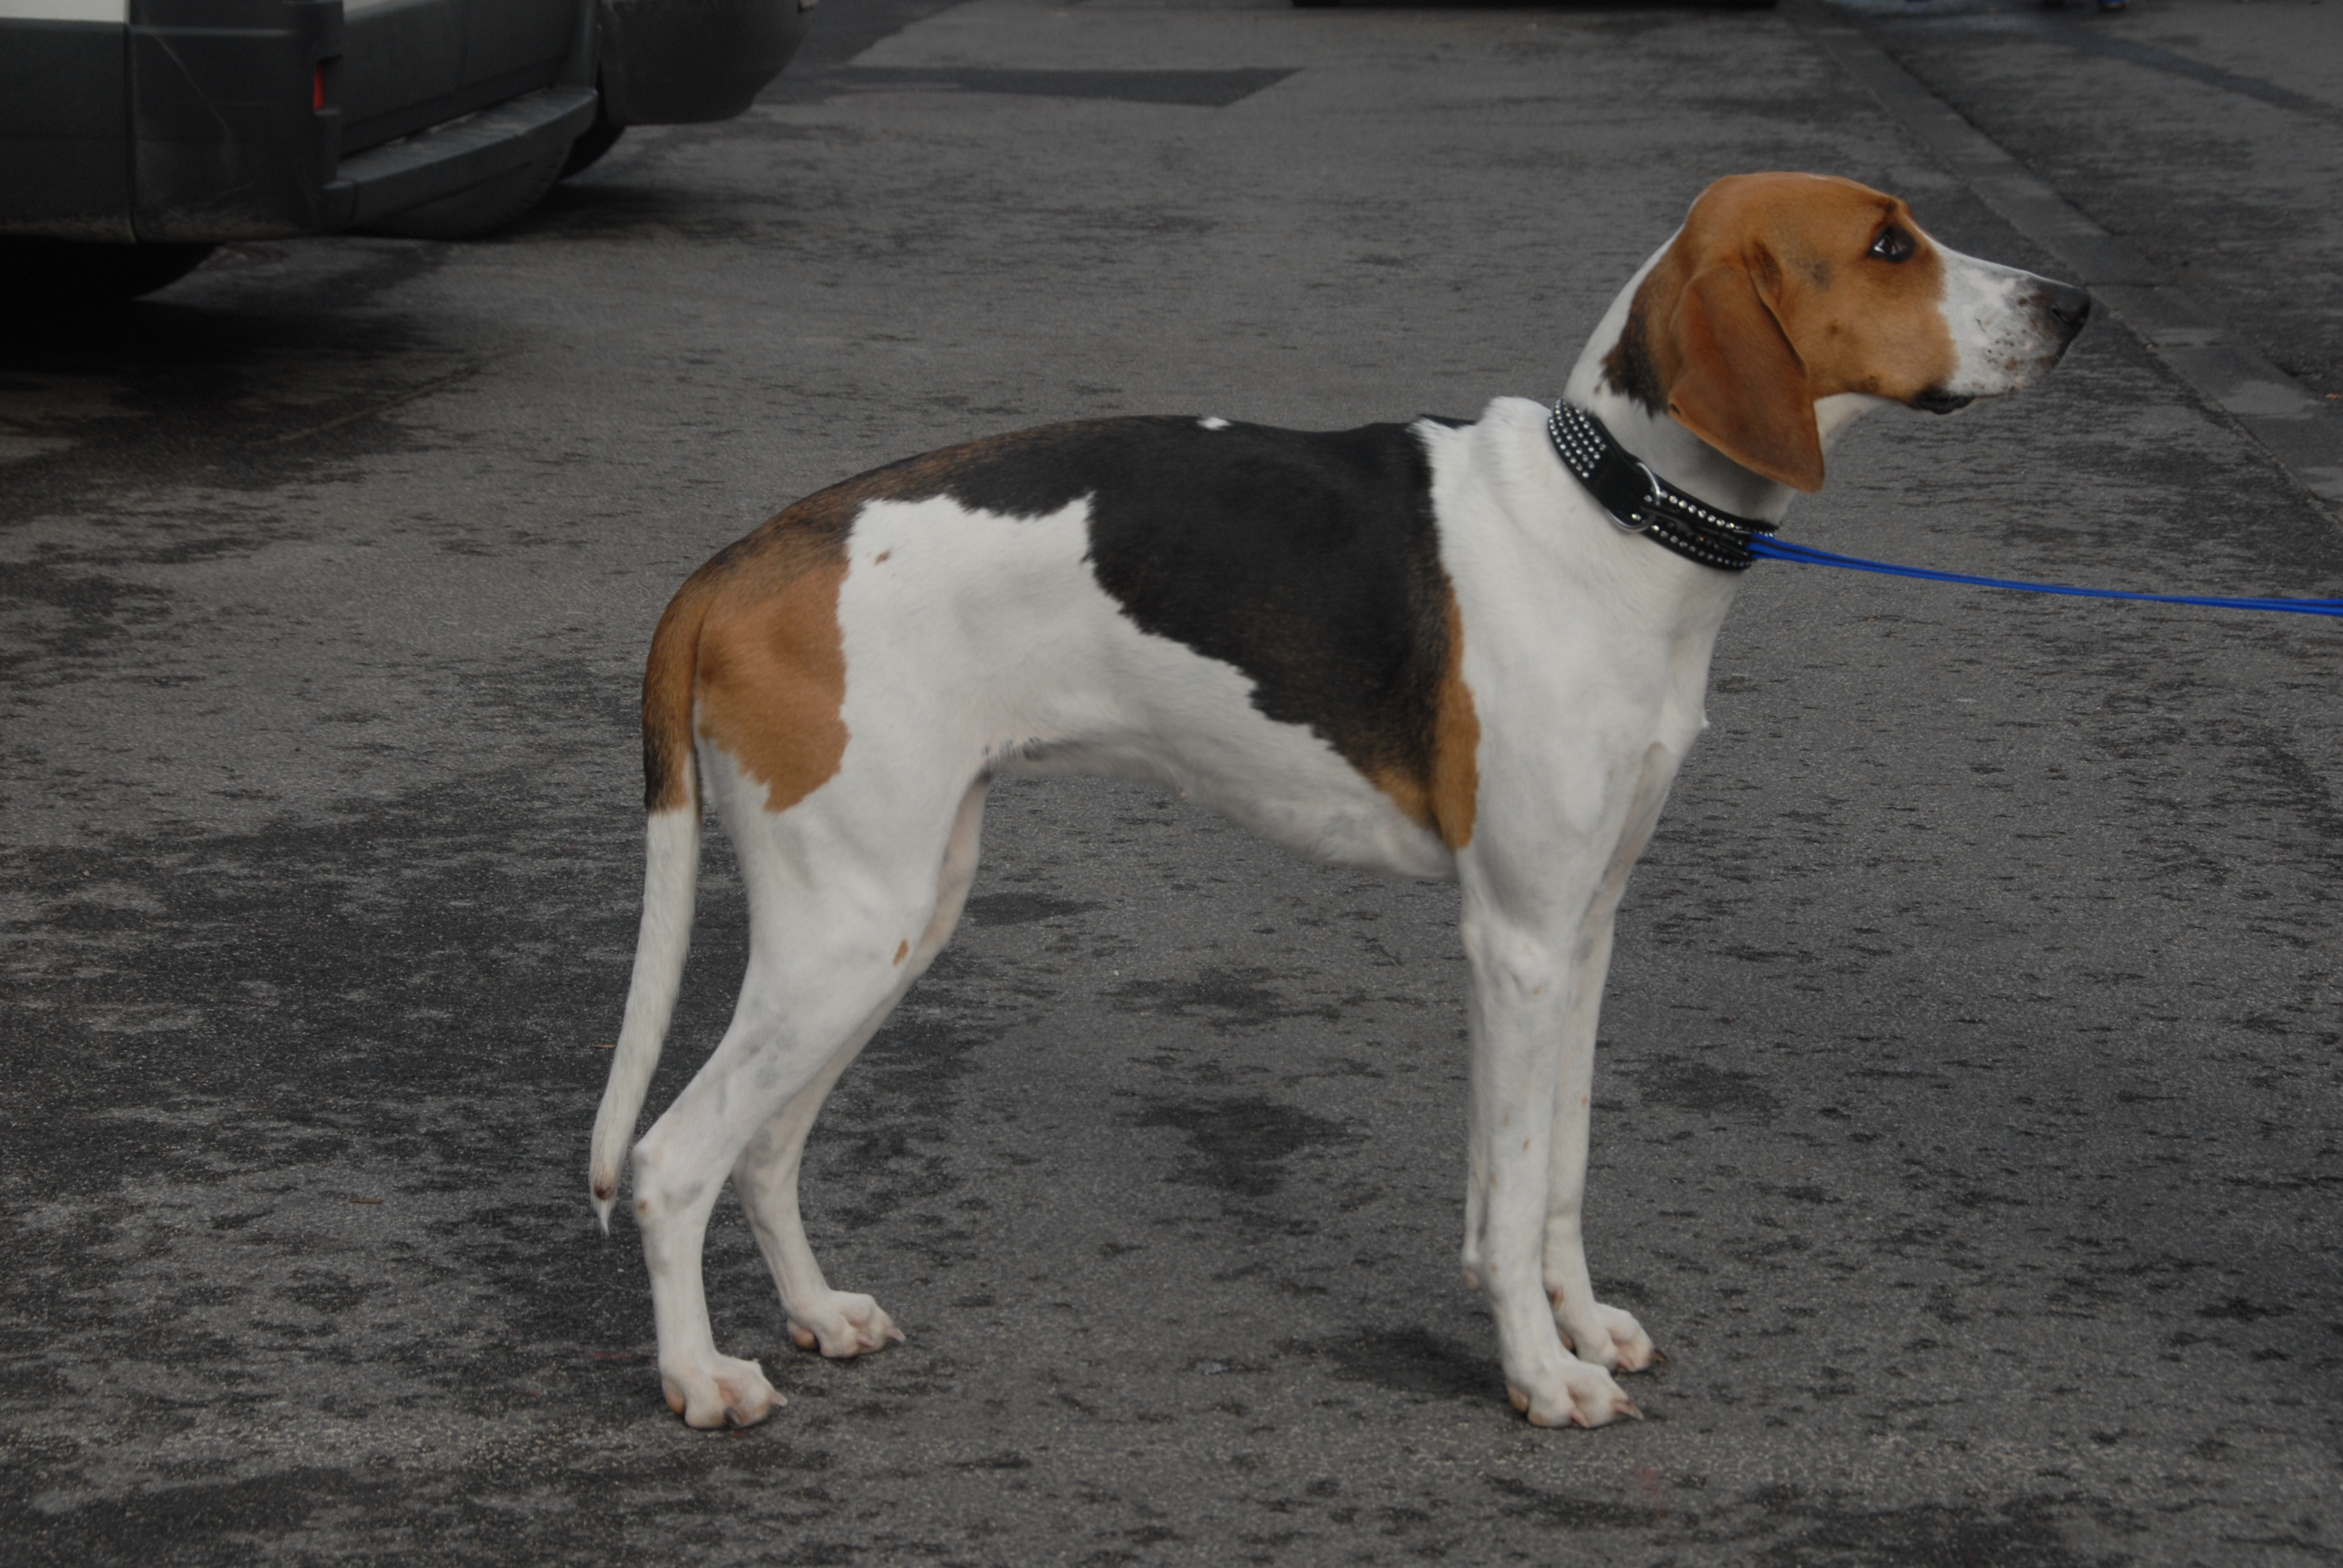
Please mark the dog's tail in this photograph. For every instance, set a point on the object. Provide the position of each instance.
(670, 883)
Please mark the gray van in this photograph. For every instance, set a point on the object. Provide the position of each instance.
(135, 134)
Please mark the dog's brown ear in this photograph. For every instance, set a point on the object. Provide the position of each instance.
(1739, 385)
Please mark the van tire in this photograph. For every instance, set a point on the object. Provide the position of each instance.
(592, 142)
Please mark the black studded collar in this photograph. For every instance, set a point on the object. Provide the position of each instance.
(1641, 502)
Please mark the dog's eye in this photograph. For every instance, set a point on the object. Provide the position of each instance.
(1892, 244)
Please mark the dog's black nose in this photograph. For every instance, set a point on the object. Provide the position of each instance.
(2069, 305)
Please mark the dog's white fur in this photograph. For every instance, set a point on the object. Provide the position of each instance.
(978, 646)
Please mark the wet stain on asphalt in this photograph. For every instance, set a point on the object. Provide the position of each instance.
(1563, 1511)
(240, 401)
(1688, 1083)
(1017, 908)
(1834, 1533)
(1240, 1145)
(1230, 999)
(1410, 1360)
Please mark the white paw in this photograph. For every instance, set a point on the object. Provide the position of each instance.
(1636, 1351)
(1579, 1395)
(842, 1324)
(724, 1392)
(1617, 1342)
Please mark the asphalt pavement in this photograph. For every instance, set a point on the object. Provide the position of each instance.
(1966, 1117)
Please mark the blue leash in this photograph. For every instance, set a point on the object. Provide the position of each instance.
(1641, 502)
(1772, 549)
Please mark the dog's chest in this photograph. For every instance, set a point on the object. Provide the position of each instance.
(1579, 639)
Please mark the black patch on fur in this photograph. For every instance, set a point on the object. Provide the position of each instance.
(1309, 561)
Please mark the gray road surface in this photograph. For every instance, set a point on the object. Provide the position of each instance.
(1967, 1113)
(2209, 133)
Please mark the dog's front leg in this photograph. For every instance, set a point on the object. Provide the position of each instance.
(1605, 1335)
(1523, 975)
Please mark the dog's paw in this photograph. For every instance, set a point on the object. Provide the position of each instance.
(724, 1392)
(1579, 1395)
(1619, 1344)
(842, 1326)
(1634, 1347)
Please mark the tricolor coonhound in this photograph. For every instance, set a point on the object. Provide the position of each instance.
(1474, 651)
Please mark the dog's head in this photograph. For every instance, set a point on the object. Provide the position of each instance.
(1783, 290)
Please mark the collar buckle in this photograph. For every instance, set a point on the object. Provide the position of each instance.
(1645, 512)
(1677, 522)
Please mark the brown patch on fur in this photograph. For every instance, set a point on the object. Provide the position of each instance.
(771, 676)
(1439, 782)
(752, 639)
(902, 950)
(1456, 744)
(1767, 302)
(667, 706)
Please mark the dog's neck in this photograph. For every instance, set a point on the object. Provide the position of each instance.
(1670, 450)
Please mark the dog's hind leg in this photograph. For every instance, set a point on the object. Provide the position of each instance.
(840, 1323)
(826, 957)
